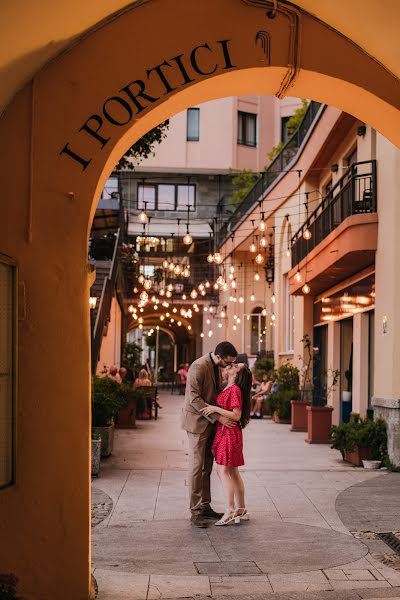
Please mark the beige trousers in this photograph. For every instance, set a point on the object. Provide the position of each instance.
(200, 467)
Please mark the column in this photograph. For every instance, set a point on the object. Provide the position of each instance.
(360, 363)
(333, 362)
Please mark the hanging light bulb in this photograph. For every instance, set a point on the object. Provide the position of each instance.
(193, 294)
(223, 314)
(234, 328)
(186, 272)
(238, 321)
(141, 278)
(273, 299)
(298, 276)
(201, 286)
(273, 317)
(233, 284)
(220, 280)
(178, 269)
(225, 287)
(162, 292)
(259, 259)
(135, 290)
(252, 297)
(263, 242)
(184, 296)
(307, 234)
(187, 240)
(202, 335)
(210, 333)
(143, 216)
(220, 325)
(215, 286)
(147, 284)
(203, 293)
(253, 247)
(262, 225)
(207, 284)
(144, 296)
(257, 276)
(171, 266)
(210, 258)
(165, 264)
(174, 310)
(241, 299)
(305, 289)
(288, 253)
(217, 258)
(170, 287)
(264, 312)
(168, 294)
(232, 269)
(208, 321)
(211, 309)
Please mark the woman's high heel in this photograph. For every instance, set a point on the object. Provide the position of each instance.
(227, 518)
(241, 514)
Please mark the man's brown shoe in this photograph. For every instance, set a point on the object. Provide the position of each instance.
(209, 513)
(198, 521)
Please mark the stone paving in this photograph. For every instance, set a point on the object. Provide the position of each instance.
(294, 546)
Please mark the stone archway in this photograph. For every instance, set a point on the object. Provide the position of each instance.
(59, 139)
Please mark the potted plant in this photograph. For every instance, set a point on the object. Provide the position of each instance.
(299, 406)
(361, 441)
(319, 414)
(263, 366)
(96, 453)
(288, 382)
(131, 405)
(106, 402)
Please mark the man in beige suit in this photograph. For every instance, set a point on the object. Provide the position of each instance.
(202, 387)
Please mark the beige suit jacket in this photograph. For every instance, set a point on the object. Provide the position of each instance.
(201, 389)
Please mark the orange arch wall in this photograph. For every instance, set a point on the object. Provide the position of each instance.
(84, 102)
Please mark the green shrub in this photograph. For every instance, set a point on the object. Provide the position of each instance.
(280, 402)
(364, 434)
(288, 377)
(106, 400)
(263, 366)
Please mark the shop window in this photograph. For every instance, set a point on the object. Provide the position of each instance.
(247, 129)
(7, 371)
(166, 196)
(346, 367)
(193, 125)
(320, 361)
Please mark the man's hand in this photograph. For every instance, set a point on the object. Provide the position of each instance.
(226, 422)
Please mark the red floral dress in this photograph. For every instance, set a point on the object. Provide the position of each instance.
(227, 447)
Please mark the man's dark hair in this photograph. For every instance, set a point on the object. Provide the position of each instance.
(225, 349)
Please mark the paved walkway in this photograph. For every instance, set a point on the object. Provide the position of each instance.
(295, 545)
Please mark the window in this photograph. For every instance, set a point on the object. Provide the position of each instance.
(288, 316)
(247, 129)
(163, 196)
(7, 370)
(193, 125)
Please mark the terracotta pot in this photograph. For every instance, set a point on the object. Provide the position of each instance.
(277, 419)
(299, 415)
(356, 456)
(126, 418)
(319, 423)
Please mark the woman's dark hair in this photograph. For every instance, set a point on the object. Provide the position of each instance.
(244, 381)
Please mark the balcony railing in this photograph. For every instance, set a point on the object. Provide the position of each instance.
(274, 170)
(353, 194)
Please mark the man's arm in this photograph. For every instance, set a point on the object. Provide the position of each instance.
(194, 382)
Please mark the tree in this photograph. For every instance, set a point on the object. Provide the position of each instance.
(143, 147)
(243, 183)
(291, 127)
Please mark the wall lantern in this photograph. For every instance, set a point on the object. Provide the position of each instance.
(361, 130)
(335, 168)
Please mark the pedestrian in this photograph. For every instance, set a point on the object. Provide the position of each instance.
(113, 374)
(234, 403)
(260, 396)
(202, 388)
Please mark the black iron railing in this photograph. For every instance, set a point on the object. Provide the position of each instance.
(353, 194)
(274, 170)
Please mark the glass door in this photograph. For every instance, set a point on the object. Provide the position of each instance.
(346, 368)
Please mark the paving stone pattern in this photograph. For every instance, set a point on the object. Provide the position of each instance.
(294, 547)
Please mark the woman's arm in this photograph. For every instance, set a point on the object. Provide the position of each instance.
(234, 414)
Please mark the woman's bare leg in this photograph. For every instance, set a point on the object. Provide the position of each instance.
(238, 487)
(227, 483)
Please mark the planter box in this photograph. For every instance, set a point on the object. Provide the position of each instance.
(126, 418)
(356, 456)
(277, 419)
(107, 439)
(319, 423)
(299, 415)
(96, 452)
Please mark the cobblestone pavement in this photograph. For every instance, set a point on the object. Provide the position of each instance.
(295, 546)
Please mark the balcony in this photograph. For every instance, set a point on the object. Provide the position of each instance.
(274, 171)
(343, 232)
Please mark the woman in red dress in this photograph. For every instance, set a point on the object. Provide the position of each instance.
(232, 402)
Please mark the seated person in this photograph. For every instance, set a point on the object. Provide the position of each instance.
(259, 397)
(143, 380)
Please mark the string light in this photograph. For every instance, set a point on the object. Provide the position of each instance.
(259, 259)
(220, 325)
(298, 276)
(186, 272)
(184, 296)
(141, 278)
(217, 258)
(252, 247)
(202, 335)
(263, 242)
(252, 297)
(223, 314)
(210, 333)
(210, 258)
(143, 218)
(144, 296)
(147, 284)
(165, 264)
(307, 234)
(168, 294)
(305, 289)
(241, 299)
(257, 276)
(264, 312)
(193, 294)
(187, 240)
(273, 298)
(262, 225)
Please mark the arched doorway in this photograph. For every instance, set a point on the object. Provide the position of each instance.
(60, 138)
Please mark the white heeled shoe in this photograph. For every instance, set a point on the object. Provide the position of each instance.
(227, 518)
(241, 514)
